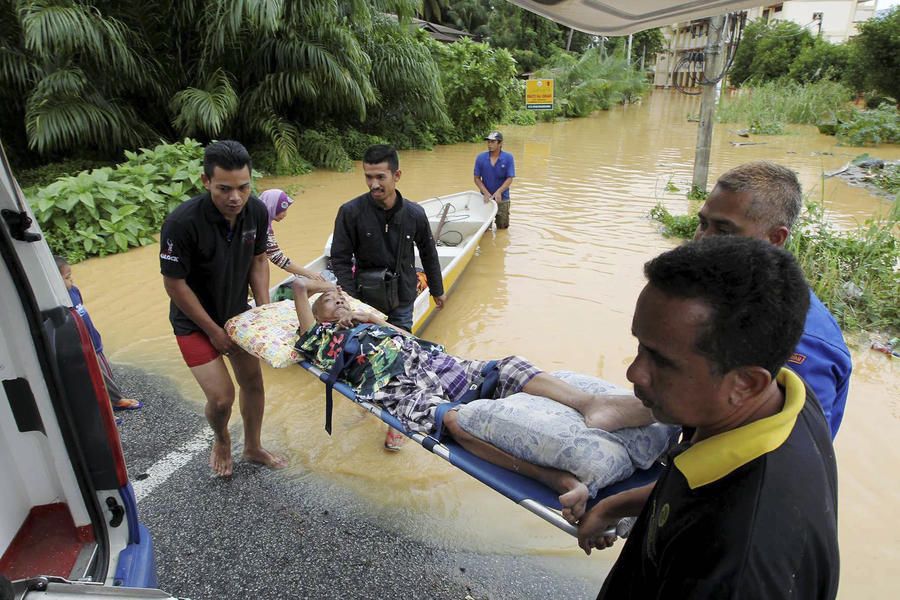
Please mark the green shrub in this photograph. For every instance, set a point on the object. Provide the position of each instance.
(521, 117)
(266, 160)
(590, 83)
(678, 226)
(852, 272)
(355, 142)
(767, 51)
(324, 149)
(479, 86)
(868, 127)
(108, 210)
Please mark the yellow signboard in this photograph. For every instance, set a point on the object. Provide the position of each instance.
(539, 94)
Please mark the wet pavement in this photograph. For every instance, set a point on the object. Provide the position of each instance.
(263, 534)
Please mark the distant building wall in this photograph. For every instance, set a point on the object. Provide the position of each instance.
(838, 20)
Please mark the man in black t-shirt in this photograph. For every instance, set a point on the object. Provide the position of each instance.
(746, 506)
(213, 249)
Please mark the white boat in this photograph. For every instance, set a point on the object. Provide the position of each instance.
(457, 222)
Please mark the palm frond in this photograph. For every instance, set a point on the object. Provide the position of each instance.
(280, 89)
(323, 152)
(61, 123)
(283, 135)
(17, 70)
(265, 16)
(207, 109)
(61, 82)
(52, 30)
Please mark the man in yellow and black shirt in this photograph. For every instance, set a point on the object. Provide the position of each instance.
(747, 505)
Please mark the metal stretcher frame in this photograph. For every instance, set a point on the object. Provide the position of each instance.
(524, 491)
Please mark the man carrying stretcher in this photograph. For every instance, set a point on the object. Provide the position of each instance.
(411, 378)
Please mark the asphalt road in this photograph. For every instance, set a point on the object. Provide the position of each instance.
(263, 535)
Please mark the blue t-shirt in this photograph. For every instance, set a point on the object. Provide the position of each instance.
(494, 175)
(823, 361)
(78, 303)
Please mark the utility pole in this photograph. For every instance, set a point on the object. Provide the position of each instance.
(713, 61)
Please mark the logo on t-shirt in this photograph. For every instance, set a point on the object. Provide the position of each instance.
(797, 358)
(169, 253)
(248, 236)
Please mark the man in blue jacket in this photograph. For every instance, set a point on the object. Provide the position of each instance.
(762, 200)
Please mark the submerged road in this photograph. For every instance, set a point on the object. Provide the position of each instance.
(264, 535)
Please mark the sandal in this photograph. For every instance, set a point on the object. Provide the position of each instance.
(394, 440)
(128, 404)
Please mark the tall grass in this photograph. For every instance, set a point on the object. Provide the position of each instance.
(780, 102)
(855, 273)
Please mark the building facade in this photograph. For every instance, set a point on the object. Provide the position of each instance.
(836, 21)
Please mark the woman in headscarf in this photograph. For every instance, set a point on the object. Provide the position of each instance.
(277, 202)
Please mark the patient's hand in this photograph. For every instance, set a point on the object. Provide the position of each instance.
(361, 316)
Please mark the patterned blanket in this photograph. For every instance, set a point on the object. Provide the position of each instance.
(270, 331)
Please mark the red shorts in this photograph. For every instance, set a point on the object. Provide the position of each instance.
(196, 349)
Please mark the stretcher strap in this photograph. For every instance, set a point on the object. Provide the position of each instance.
(348, 350)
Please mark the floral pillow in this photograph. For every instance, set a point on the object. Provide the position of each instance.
(270, 331)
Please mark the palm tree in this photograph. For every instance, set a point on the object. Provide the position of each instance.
(112, 74)
(72, 71)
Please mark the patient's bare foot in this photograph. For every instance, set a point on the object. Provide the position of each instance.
(610, 412)
(220, 458)
(265, 458)
(574, 501)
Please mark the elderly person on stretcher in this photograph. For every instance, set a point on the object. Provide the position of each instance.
(410, 378)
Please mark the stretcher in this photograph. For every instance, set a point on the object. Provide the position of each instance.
(527, 493)
(269, 332)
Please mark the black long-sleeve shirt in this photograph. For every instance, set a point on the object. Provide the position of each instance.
(371, 234)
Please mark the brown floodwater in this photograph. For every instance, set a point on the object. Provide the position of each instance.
(558, 287)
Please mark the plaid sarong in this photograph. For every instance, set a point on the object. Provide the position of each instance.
(429, 379)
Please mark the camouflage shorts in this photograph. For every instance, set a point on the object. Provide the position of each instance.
(502, 218)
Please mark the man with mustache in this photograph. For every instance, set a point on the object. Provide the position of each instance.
(371, 229)
(213, 248)
(746, 505)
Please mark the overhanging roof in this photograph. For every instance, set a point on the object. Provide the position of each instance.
(621, 17)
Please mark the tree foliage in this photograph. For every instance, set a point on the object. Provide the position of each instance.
(875, 60)
(81, 74)
(479, 85)
(643, 43)
(767, 51)
(591, 83)
(820, 60)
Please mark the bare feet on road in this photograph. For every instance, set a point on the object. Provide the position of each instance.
(220, 459)
(265, 458)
